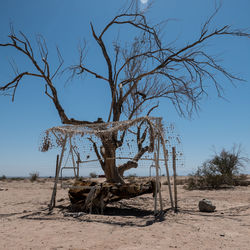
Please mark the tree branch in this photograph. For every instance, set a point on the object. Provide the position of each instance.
(97, 154)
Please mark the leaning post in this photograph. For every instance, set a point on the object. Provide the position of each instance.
(58, 166)
(72, 156)
(157, 165)
(174, 170)
(53, 200)
(165, 153)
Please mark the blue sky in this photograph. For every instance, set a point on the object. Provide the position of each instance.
(220, 123)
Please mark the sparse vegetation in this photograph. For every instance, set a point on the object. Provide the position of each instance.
(179, 181)
(241, 180)
(92, 175)
(131, 176)
(34, 176)
(143, 68)
(222, 170)
(3, 177)
(15, 179)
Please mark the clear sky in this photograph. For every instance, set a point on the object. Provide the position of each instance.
(65, 23)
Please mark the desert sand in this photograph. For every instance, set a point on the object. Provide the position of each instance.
(128, 224)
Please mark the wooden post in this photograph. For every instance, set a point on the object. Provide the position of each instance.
(72, 157)
(58, 166)
(78, 163)
(156, 189)
(53, 197)
(165, 152)
(158, 166)
(156, 157)
(175, 186)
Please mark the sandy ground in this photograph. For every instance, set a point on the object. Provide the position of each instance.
(129, 224)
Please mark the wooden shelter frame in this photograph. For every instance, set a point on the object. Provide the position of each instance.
(159, 142)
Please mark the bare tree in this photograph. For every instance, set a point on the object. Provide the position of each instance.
(139, 73)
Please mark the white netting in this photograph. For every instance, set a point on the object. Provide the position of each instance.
(86, 140)
(55, 136)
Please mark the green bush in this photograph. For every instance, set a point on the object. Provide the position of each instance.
(222, 169)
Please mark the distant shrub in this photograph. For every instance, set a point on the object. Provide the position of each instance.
(16, 179)
(241, 180)
(242, 177)
(205, 182)
(3, 177)
(222, 169)
(181, 181)
(34, 176)
(92, 175)
(131, 176)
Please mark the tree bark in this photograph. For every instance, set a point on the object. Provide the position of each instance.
(88, 196)
(109, 155)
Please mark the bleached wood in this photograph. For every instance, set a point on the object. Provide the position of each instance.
(175, 186)
(58, 167)
(165, 153)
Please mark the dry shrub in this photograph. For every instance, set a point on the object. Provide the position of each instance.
(179, 181)
(92, 175)
(34, 176)
(241, 180)
(205, 182)
(222, 170)
(16, 179)
(3, 177)
(131, 176)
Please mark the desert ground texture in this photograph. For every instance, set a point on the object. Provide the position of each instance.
(25, 222)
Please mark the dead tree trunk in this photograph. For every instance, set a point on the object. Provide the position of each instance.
(108, 152)
(93, 197)
(110, 168)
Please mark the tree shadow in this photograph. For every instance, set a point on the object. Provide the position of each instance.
(125, 216)
(127, 211)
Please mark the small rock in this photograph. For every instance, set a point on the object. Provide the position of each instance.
(206, 206)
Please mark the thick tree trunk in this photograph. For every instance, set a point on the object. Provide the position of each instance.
(91, 197)
(109, 155)
(110, 168)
